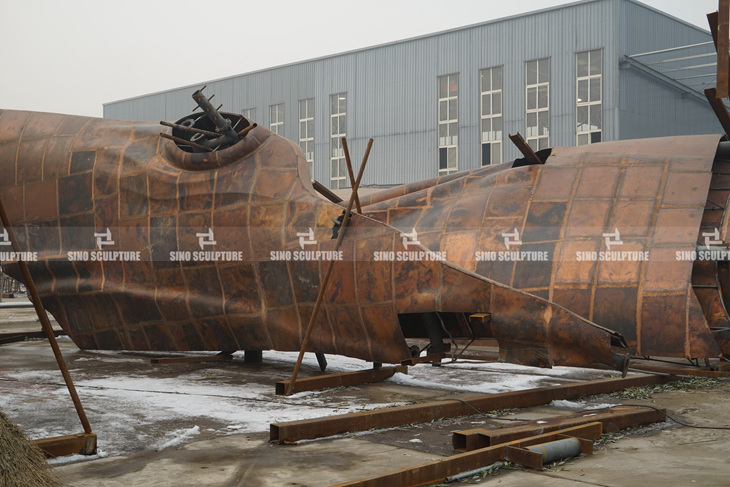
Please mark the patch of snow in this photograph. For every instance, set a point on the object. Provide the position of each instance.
(75, 458)
(469, 383)
(179, 437)
(579, 405)
(562, 403)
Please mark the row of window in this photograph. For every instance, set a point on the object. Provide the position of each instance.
(588, 115)
(588, 109)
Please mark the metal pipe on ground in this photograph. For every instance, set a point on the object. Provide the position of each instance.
(16, 304)
(557, 450)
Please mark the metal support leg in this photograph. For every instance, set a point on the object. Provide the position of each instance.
(253, 356)
(322, 361)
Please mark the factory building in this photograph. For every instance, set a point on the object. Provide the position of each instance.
(581, 73)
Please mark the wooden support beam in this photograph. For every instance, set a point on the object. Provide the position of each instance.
(293, 431)
(60, 446)
(613, 419)
(341, 380)
(437, 471)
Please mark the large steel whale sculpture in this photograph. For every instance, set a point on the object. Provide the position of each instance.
(138, 242)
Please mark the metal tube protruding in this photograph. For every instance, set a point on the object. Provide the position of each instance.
(223, 125)
(555, 450)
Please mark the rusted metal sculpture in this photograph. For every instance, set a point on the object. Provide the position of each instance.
(212, 237)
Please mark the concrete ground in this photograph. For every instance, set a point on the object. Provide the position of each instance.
(206, 424)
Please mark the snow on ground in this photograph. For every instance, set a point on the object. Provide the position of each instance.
(135, 406)
(179, 437)
(580, 405)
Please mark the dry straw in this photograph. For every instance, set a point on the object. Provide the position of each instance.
(22, 464)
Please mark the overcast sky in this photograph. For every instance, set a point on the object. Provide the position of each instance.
(71, 56)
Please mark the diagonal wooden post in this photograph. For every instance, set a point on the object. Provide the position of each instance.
(45, 323)
(351, 175)
(325, 280)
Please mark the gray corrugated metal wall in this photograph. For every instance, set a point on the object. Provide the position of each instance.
(650, 107)
(392, 89)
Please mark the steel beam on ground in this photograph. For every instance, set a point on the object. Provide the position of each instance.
(436, 471)
(219, 357)
(341, 380)
(680, 370)
(613, 419)
(293, 431)
(59, 446)
(480, 357)
(22, 335)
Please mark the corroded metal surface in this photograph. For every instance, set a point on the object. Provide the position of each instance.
(76, 186)
(654, 191)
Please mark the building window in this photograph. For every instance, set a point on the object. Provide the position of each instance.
(276, 118)
(588, 107)
(537, 103)
(448, 123)
(249, 113)
(338, 129)
(490, 81)
(306, 132)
